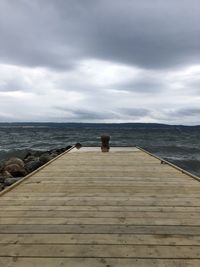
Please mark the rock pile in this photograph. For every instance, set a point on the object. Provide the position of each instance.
(13, 169)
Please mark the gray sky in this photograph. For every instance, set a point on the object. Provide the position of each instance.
(100, 61)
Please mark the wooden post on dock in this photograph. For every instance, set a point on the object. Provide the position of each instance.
(78, 145)
(105, 143)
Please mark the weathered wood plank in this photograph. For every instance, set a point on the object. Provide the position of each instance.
(103, 239)
(134, 189)
(104, 201)
(171, 209)
(98, 214)
(102, 182)
(93, 251)
(123, 180)
(107, 174)
(96, 221)
(95, 195)
(96, 262)
(103, 205)
(100, 229)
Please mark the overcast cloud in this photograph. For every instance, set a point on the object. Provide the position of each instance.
(100, 61)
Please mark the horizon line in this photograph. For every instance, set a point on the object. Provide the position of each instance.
(52, 122)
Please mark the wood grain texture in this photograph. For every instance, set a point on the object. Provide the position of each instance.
(88, 208)
(95, 262)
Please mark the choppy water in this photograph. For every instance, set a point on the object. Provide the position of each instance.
(180, 145)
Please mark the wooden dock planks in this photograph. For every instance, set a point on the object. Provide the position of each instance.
(88, 208)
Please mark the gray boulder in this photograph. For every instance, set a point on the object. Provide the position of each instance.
(32, 165)
(15, 170)
(53, 155)
(1, 166)
(14, 161)
(2, 186)
(37, 153)
(10, 181)
(45, 158)
(6, 174)
(30, 158)
(2, 178)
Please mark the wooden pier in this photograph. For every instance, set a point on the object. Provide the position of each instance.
(122, 208)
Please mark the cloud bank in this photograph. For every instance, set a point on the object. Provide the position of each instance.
(100, 61)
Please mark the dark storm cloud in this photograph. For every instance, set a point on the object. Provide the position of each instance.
(135, 112)
(57, 34)
(92, 115)
(29, 32)
(105, 60)
(12, 85)
(145, 85)
(119, 114)
(186, 112)
(84, 114)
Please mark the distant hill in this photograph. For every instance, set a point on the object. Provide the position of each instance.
(97, 125)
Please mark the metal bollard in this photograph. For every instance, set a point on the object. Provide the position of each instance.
(105, 143)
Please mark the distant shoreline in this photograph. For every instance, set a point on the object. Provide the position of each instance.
(79, 124)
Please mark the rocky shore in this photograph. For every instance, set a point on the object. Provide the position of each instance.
(13, 169)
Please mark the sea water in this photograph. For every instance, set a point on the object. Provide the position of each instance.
(177, 144)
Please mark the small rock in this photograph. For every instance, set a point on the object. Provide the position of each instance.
(54, 151)
(58, 151)
(53, 155)
(6, 174)
(10, 181)
(32, 165)
(27, 155)
(45, 158)
(2, 186)
(15, 170)
(14, 161)
(30, 158)
(2, 178)
(37, 153)
(1, 166)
